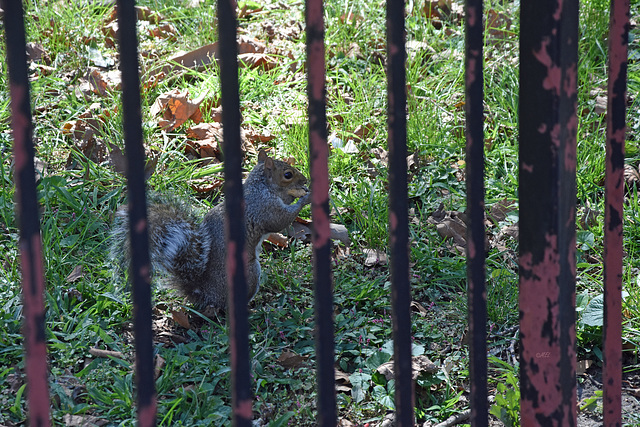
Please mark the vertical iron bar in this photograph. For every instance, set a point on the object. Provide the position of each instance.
(140, 264)
(477, 301)
(398, 211)
(548, 131)
(614, 199)
(33, 282)
(319, 153)
(234, 223)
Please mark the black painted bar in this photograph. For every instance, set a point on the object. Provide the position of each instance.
(319, 152)
(614, 213)
(234, 205)
(33, 282)
(477, 299)
(548, 132)
(398, 212)
(140, 264)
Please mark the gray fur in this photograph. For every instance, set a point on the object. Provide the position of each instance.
(192, 252)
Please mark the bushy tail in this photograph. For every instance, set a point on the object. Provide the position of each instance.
(174, 238)
(119, 248)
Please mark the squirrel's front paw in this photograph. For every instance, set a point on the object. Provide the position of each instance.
(305, 200)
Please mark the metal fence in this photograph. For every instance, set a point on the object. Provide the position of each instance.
(548, 131)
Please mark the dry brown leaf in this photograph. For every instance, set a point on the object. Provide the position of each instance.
(498, 24)
(300, 232)
(416, 307)
(70, 420)
(98, 352)
(601, 105)
(164, 31)
(501, 209)
(413, 161)
(98, 84)
(250, 45)
(374, 257)
(363, 130)
(256, 137)
(351, 18)
(419, 365)
(146, 14)
(75, 275)
(291, 360)
(258, 60)
(37, 52)
(381, 154)
(181, 318)
(206, 186)
(205, 131)
(582, 366)
(158, 366)
(176, 108)
(278, 240)
(631, 175)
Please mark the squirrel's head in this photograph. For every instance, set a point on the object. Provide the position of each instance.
(288, 181)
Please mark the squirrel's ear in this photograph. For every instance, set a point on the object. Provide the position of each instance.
(262, 155)
(268, 163)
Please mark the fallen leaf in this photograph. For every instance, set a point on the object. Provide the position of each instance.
(181, 318)
(501, 209)
(291, 360)
(631, 175)
(206, 186)
(300, 232)
(37, 52)
(278, 240)
(176, 108)
(419, 365)
(97, 352)
(144, 13)
(84, 420)
(75, 275)
(498, 24)
(158, 366)
(374, 257)
(418, 308)
(363, 130)
(582, 366)
(601, 105)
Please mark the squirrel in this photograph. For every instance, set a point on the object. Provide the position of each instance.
(192, 252)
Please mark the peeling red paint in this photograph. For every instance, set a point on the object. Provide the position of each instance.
(20, 125)
(472, 16)
(471, 72)
(614, 206)
(147, 414)
(141, 225)
(244, 409)
(554, 72)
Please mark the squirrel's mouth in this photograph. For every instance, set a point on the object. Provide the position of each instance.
(297, 192)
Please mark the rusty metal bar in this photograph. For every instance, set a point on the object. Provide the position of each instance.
(398, 212)
(477, 297)
(319, 153)
(548, 131)
(33, 282)
(140, 264)
(614, 199)
(234, 205)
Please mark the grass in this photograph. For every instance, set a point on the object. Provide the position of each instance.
(79, 195)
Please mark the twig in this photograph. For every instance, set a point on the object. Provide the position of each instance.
(455, 419)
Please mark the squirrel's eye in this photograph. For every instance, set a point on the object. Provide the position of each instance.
(288, 175)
